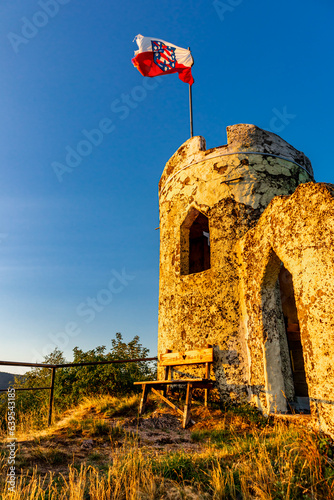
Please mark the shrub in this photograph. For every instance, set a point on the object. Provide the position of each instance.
(74, 383)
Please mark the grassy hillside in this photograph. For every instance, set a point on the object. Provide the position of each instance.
(101, 450)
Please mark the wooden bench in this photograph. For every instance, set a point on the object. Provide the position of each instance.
(169, 361)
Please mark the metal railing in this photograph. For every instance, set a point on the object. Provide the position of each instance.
(54, 367)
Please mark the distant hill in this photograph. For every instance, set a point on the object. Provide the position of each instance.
(5, 379)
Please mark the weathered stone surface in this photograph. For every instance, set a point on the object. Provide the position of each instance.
(299, 232)
(237, 302)
(252, 138)
(231, 186)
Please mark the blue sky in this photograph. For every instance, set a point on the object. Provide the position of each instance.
(79, 253)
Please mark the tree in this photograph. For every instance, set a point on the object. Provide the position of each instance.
(116, 379)
(74, 383)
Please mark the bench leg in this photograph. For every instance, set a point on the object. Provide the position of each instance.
(187, 406)
(207, 376)
(206, 397)
(143, 400)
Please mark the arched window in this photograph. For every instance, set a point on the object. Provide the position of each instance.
(199, 245)
(195, 243)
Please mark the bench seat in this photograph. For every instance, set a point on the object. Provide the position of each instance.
(169, 360)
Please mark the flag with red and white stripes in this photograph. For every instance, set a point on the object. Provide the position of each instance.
(156, 57)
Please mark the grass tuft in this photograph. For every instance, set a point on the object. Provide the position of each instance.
(235, 454)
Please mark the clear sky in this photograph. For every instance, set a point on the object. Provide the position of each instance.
(79, 253)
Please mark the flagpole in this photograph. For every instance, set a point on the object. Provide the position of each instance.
(191, 109)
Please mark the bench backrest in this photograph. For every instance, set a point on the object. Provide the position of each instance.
(187, 357)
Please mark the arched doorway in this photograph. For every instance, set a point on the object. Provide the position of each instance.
(301, 401)
(286, 385)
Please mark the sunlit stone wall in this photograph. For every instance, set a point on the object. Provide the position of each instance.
(299, 232)
(231, 185)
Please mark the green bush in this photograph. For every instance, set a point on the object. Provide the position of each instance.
(74, 383)
(114, 379)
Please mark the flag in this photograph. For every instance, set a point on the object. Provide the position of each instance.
(156, 57)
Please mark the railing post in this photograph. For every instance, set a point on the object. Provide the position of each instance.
(64, 365)
(51, 394)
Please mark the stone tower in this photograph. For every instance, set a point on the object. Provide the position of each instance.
(209, 199)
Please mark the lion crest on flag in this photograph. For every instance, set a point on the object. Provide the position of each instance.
(164, 56)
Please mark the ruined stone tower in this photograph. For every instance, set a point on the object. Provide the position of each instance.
(247, 264)
(208, 200)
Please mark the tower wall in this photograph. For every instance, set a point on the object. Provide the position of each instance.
(231, 185)
(299, 232)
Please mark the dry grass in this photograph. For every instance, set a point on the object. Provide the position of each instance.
(225, 455)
